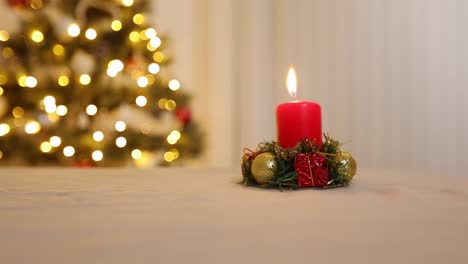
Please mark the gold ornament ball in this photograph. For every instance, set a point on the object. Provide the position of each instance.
(346, 165)
(264, 167)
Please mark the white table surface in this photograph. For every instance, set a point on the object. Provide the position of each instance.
(201, 216)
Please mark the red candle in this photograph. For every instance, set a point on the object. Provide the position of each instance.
(298, 119)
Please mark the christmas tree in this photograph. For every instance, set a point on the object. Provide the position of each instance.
(84, 82)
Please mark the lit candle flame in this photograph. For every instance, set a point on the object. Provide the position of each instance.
(291, 82)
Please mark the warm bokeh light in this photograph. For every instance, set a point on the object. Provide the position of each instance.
(169, 156)
(63, 80)
(174, 85)
(4, 129)
(46, 147)
(32, 127)
(61, 110)
(91, 109)
(142, 81)
(150, 33)
(74, 30)
(173, 137)
(58, 50)
(136, 154)
(18, 111)
(116, 65)
(141, 101)
(98, 136)
(116, 25)
(3, 79)
(50, 108)
(68, 151)
(37, 36)
(90, 33)
(85, 79)
(134, 36)
(30, 82)
(170, 105)
(153, 68)
(1, 91)
(291, 82)
(1, 154)
(36, 4)
(49, 100)
(121, 142)
(55, 141)
(158, 57)
(155, 42)
(120, 126)
(97, 155)
(138, 19)
(127, 2)
(4, 35)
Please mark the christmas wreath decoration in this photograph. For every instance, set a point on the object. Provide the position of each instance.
(305, 166)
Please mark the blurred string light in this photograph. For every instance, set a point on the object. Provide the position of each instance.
(30, 82)
(98, 136)
(142, 81)
(73, 30)
(61, 110)
(37, 36)
(1, 91)
(63, 80)
(153, 68)
(85, 79)
(46, 147)
(171, 155)
(4, 129)
(17, 112)
(3, 78)
(58, 50)
(55, 141)
(114, 67)
(32, 127)
(136, 154)
(134, 36)
(121, 142)
(158, 57)
(1, 154)
(116, 25)
(49, 100)
(4, 35)
(150, 33)
(36, 4)
(170, 105)
(91, 110)
(97, 155)
(91, 33)
(174, 85)
(141, 101)
(120, 126)
(127, 2)
(68, 151)
(173, 137)
(138, 19)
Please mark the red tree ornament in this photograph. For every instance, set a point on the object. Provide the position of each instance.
(184, 115)
(17, 3)
(311, 169)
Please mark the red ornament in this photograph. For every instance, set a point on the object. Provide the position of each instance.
(311, 169)
(84, 164)
(17, 3)
(184, 115)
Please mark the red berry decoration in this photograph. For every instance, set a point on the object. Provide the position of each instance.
(311, 169)
(184, 115)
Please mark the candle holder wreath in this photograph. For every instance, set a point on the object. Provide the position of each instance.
(299, 159)
(305, 166)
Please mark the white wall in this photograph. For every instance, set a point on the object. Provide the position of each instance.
(390, 75)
